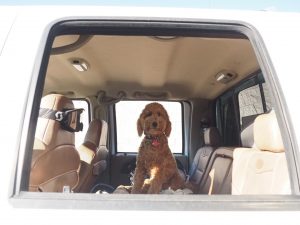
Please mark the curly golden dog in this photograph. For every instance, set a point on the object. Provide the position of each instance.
(156, 167)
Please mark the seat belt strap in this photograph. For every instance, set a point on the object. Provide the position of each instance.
(51, 114)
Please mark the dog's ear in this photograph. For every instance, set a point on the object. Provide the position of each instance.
(139, 127)
(168, 128)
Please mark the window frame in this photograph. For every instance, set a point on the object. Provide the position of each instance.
(253, 79)
(19, 197)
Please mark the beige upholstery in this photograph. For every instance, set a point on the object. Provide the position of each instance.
(263, 168)
(210, 172)
(267, 133)
(55, 161)
(217, 175)
(142, 63)
(212, 140)
(247, 138)
(93, 153)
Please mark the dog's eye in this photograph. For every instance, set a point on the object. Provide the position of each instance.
(158, 113)
(148, 114)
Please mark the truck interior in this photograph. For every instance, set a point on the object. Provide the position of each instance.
(225, 135)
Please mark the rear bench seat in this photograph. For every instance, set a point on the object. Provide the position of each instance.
(243, 170)
(217, 176)
(212, 140)
(211, 169)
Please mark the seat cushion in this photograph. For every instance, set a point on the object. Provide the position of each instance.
(259, 172)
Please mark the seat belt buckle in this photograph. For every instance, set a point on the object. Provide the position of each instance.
(187, 178)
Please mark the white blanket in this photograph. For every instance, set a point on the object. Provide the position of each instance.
(123, 190)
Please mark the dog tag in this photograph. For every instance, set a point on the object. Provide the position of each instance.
(155, 143)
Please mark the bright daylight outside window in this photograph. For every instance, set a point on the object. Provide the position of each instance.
(250, 103)
(127, 114)
(82, 104)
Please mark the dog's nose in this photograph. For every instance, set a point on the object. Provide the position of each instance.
(154, 124)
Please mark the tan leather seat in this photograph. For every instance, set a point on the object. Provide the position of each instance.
(55, 161)
(261, 169)
(217, 175)
(212, 166)
(212, 140)
(93, 153)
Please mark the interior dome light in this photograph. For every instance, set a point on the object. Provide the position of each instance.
(225, 76)
(80, 65)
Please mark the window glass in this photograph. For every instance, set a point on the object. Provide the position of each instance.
(268, 98)
(127, 114)
(79, 136)
(250, 105)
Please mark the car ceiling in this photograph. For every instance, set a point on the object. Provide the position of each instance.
(180, 67)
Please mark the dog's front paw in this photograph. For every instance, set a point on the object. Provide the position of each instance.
(154, 188)
(136, 191)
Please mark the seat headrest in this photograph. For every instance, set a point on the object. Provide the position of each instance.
(49, 132)
(267, 135)
(247, 136)
(56, 102)
(96, 134)
(212, 137)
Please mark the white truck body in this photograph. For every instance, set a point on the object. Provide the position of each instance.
(23, 33)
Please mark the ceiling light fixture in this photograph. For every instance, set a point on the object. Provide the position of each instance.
(80, 64)
(225, 76)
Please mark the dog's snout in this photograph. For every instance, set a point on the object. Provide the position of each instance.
(154, 124)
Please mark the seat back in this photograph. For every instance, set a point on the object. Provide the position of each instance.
(262, 168)
(93, 153)
(55, 161)
(212, 140)
(218, 173)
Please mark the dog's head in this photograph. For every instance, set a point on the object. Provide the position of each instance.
(154, 121)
